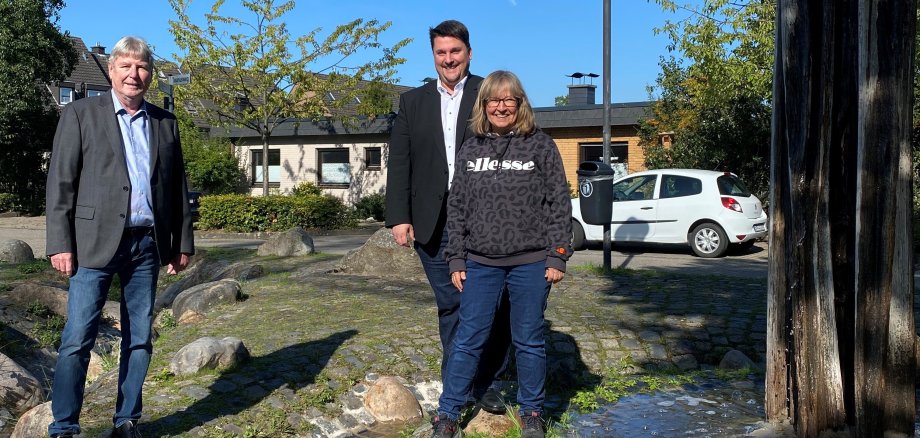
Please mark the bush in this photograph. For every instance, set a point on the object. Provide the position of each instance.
(371, 206)
(7, 202)
(243, 213)
(306, 188)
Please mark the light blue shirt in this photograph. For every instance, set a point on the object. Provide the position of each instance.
(135, 136)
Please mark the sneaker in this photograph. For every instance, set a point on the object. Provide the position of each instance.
(443, 427)
(532, 426)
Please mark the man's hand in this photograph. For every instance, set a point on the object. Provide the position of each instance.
(177, 264)
(403, 234)
(63, 262)
(554, 275)
(457, 278)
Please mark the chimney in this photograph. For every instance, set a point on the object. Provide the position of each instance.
(97, 49)
(581, 94)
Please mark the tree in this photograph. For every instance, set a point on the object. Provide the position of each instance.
(716, 101)
(841, 335)
(562, 100)
(210, 165)
(33, 53)
(245, 73)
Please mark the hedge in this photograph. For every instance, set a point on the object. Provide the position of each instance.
(244, 213)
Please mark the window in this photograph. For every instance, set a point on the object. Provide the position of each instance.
(731, 185)
(372, 158)
(636, 188)
(673, 186)
(274, 167)
(595, 152)
(66, 95)
(91, 93)
(334, 167)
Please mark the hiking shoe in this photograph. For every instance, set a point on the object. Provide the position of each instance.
(443, 427)
(532, 426)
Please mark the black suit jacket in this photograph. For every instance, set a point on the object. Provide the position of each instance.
(417, 162)
(89, 192)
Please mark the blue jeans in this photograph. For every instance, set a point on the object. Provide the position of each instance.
(495, 357)
(137, 265)
(528, 291)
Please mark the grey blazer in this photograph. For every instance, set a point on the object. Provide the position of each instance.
(417, 165)
(88, 192)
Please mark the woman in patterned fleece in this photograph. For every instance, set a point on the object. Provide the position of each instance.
(509, 222)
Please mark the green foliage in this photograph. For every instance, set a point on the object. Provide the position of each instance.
(562, 100)
(306, 188)
(34, 266)
(7, 202)
(717, 104)
(256, 74)
(210, 165)
(33, 53)
(619, 382)
(373, 205)
(242, 213)
(47, 333)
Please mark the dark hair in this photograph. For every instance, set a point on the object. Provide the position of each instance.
(450, 28)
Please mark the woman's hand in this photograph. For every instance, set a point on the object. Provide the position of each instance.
(554, 275)
(457, 278)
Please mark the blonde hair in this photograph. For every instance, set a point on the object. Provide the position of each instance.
(133, 47)
(496, 82)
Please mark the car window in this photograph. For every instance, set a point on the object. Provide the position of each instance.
(637, 188)
(731, 185)
(675, 186)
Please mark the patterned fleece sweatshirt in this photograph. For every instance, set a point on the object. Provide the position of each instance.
(509, 203)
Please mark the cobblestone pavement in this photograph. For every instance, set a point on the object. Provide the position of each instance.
(319, 338)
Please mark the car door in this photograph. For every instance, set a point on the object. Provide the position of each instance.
(634, 212)
(680, 202)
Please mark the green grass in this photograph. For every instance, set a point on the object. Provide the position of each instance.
(47, 334)
(618, 382)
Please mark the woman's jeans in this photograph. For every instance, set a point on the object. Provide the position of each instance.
(482, 292)
(137, 264)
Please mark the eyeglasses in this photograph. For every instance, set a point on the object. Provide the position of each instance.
(510, 102)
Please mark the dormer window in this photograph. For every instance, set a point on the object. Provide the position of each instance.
(65, 95)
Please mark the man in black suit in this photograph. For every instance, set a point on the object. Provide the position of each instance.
(429, 129)
(116, 204)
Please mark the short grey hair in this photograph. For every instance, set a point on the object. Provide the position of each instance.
(133, 47)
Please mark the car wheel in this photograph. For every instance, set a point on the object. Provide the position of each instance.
(708, 240)
(578, 236)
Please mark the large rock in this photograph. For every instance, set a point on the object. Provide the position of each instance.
(19, 389)
(205, 271)
(15, 251)
(293, 242)
(34, 423)
(55, 299)
(736, 360)
(489, 424)
(194, 303)
(389, 400)
(380, 256)
(208, 353)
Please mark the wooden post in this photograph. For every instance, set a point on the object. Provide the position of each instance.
(840, 341)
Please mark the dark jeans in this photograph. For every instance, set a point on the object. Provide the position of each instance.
(495, 355)
(528, 290)
(137, 265)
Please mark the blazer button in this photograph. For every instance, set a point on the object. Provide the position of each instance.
(125, 188)
(121, 215)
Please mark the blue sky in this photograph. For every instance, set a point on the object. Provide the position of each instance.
(539, 40)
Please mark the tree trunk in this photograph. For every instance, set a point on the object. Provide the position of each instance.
(840, 341)
(264, 163)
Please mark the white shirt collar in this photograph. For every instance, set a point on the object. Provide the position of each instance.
(119, 106)
(459, 87)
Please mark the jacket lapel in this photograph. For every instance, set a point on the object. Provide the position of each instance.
(432, 106)
(470, 93)
(112, 130)
(153, 117)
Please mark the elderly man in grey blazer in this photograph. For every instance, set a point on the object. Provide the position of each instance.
(116, 205)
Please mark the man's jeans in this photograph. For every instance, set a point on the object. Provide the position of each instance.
(528, 291)
(495, 356)
(137, 265)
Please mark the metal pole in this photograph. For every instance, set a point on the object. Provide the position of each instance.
(607, 119)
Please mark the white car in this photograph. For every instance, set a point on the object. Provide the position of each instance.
(706, 209)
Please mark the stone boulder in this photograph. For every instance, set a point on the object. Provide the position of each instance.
(736, 360)
(194, 303)
(380, 256)
(55, 299)
(293, 242)
(208, 353)
(205, 271)
(488, 424)
(15, 251)
(19, 389)
(34, 423)
(389, 400)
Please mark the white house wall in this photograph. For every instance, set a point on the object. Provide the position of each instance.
(299, 163)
